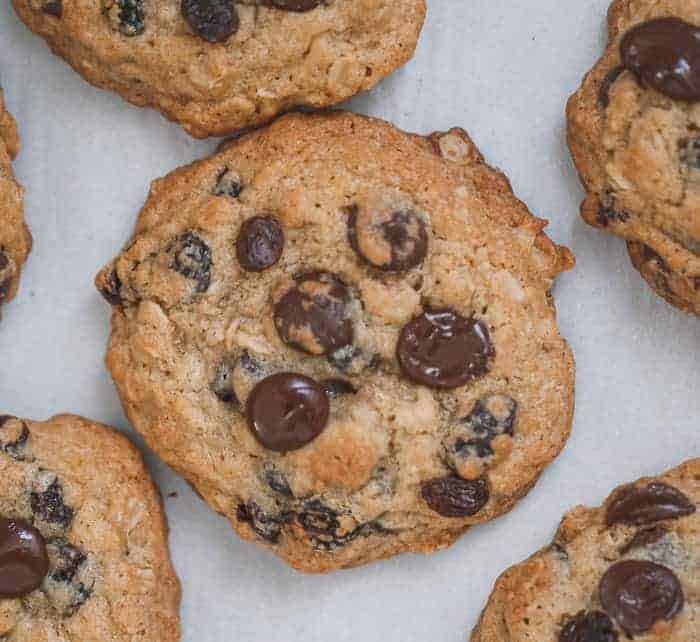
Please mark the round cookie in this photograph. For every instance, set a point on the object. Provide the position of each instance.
(216, 66)
(628, 569)
(15, 240)
(344, 337)
(83, 539)
(634, 135)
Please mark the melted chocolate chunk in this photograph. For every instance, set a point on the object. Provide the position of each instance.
(664, 54)
(48, 505)
(396, 243)
(265, 526)
(453, 496)
(24, 560)
(213, 20)
(313, 315)
(588, 626)
(260, 243)
(442, 349)
(647, 504)
(228, 184)
(644, 538)
(606, 85)
(638, 594)
(111, 287)
(287, 411)
(192, 259)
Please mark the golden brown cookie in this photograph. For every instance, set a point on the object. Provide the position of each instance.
(344, 337)
(83, 539)
(634, 134)
(626, 570)
(15, 240)
(216, 66)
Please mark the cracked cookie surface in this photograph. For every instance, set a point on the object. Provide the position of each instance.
(216, 66)
(99, 567)
(344, 337)
(634, 133)
(625, 570)
(15, 240)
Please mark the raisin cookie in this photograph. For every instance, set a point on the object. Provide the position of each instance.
(634, 132)
(216, 66)
(626, 570)
(15, 240)
(83, 540)
(344, 337)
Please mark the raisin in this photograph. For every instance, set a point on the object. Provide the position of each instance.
(337, 387)
(608, 213)
(492, 415)
(228, 183)
(52, 7)
(14, 434)
(293, 5)
(110, 288)
(192, 259)
(266, 527)
(453, 496)
(592, 626)
(250, 365)
(66, 559)
(690, 152)
(48, 505)
(318, 519)
(213, 20)
(222, 385)
(278, 482)
(127, 16)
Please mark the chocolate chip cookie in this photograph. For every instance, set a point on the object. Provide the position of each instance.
(626, 570)
(15, 240)
(216, 66)
(83, 540)
(634, 132)
(344, 337)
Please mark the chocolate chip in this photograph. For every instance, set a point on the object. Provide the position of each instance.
(647, 504)
(52, 7)
(228, 183)
(110, 288)
(213, 20)
(442, 349)
(14, 434)
(287, 411)
(395, 242)
(313, 315)
(278, 482)
(337, 387)
(638, 594)
(222, 385)
(452, 496)
(606, 85)
(260, 243)
(24, 561)
(48, 505)
(588, 626)
(644, 538)
(127, 16)
(192, 259)
(66, 559)
(664, 54)
(293, 5)
(262, 524)
(690, 152)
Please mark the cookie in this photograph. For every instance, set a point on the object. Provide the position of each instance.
(633, 130)
(625, 570)
(216, 66)
(344, 337)
(83, 539)
(15, 240)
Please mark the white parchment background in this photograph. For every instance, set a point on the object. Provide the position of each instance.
(502, 69)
